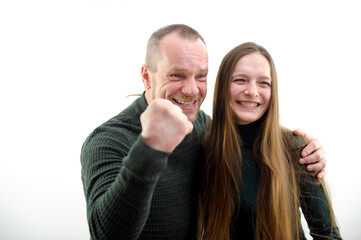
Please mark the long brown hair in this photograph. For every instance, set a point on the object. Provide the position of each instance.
(278, 199)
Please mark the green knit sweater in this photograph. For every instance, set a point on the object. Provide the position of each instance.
(135, 192)
(312, 197)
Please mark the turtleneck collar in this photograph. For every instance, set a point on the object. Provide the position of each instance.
(248, 132)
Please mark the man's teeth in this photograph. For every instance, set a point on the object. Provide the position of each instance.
(185, 103)
(248, 104)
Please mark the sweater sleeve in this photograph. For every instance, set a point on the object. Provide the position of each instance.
(315, 203)
(119, 181)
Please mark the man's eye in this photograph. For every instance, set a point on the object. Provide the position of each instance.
(175, 75)
(202, 77)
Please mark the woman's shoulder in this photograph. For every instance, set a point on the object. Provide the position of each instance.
(292, 141)
(295, 145)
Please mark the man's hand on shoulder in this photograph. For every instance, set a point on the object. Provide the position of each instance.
(313, 154)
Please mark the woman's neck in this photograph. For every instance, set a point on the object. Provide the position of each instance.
(248, 132)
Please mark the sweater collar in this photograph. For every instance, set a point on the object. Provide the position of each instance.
(248, 132)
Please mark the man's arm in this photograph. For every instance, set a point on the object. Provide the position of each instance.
(120, 175)
(316, 205)
(313, 154)
(119, 189)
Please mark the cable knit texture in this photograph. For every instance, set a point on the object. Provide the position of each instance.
(136, 192)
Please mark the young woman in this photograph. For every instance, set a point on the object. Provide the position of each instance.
(253, 185)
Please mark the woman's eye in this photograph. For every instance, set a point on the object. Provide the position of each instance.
(239, 80)
(268, 84)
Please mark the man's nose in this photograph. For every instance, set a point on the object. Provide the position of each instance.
(190, 87)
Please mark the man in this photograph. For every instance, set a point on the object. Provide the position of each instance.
(140, 169)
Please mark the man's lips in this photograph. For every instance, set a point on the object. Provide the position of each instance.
(186, 103)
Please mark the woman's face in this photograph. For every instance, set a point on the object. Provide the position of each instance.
(250, 88)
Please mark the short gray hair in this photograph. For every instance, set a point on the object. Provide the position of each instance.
(152, 55)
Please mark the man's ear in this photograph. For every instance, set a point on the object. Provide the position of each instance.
(146, 77)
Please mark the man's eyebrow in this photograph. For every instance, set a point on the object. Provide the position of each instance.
(184, 69)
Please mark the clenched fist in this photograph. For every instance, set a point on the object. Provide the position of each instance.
(164, 125)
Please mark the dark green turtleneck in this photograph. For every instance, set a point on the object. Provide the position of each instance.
(243, 228)
(312, 201)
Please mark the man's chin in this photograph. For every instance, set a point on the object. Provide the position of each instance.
(191, 116)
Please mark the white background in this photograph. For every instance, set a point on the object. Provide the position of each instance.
(67, 66)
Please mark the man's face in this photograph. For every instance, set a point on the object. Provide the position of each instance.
(181, 75)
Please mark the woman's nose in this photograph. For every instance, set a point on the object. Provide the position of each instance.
(252, 90)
